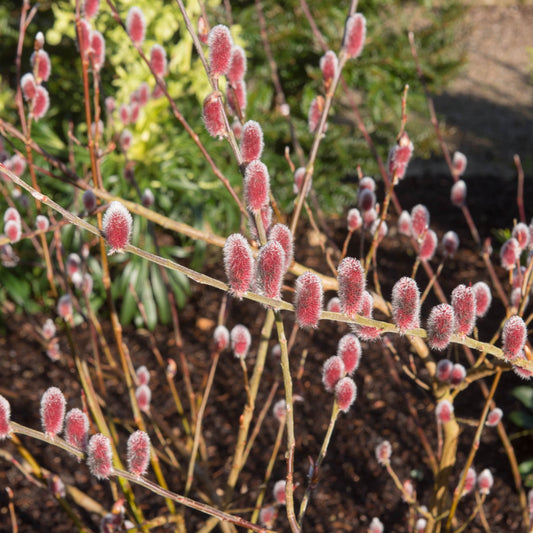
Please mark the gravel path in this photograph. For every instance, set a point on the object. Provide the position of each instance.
(489, 108)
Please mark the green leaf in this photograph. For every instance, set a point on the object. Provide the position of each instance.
(160, 294)
(17, 287)
(522, 419)
(138, 278)
(526, 467)
(149, 306)
(525, 395)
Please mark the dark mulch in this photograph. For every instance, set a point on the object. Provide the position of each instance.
(353, 488)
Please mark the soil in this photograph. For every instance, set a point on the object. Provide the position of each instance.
(352, 487)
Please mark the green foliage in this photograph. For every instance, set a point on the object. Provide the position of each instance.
(166, 159)
(375, 82)
(524, 420)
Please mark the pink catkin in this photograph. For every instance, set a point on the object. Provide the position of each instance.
(510, 253)
(42, 223)
(240, 341)
(444, 411)
(28, 86)
(444, 370)
(521, 234)
(251, 141)
(308, 300)
(143, 375)
(117, 224)
(135, 110)
(11, 214)
(354, 220)
(158, 60)
(367, 333)
(203, 33)
(279, 492)
(349, 350)
(89, 201)
(522, 373)
(329, 65)
(376, 526)
(49, 329)
(494, 417)
(408, 491)
(237, 96)
(383, 452)
(457, 375)
(367, 183)
(266, 218)
(440, 326)
(354, 35)
(238, 263)
(458, 193)
(483, 298)
(73, 264)
(406, 304)
(399, 157)
(98, 48)
(213, 115)
(138, 453)
(220, 48)
(64, 307)
(381, 227)
(100, 456)
(144, 93)
(221, 337)
(236, 127)
(470, 481)
(40, 61)
(315, 112)
(85, 36)
(18, 164)
(143, 394)
(332, 371)
(404, 223)
(419, 220)
(280, 410)
(256, 186)
(516, 297)
(269, 270)
(459, 163)
(90, 8)
(299, 175)
(345, 393)
(5, 418)
(282, 234)
(513, 336)
(428, 246)
(334, 305)
(464, 306)
(41, 103)
(237, 65)
(124, 114)
(125, 139)
(136, 25)
(77, 428)
(366, 199)
(351, 279)
(450, 243)
(147, 198)
(52, 411)
(485, 481)
(268, 516)
(13, 230)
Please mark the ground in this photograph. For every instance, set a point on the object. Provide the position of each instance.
(484, 104)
